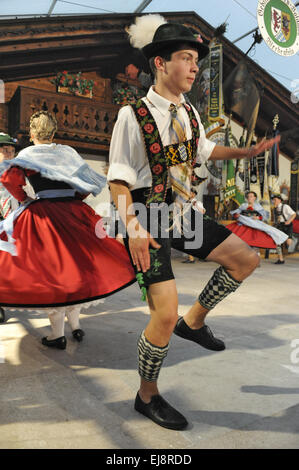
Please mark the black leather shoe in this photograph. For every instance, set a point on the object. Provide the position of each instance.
(59, 343)
(279, 262)
(161, 412)
(202, 336)
(2, 315)
(78, 334)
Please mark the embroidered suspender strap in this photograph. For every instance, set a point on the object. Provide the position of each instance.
(161, 158)
(154, 150)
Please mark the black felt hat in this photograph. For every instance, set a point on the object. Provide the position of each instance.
(170, 34)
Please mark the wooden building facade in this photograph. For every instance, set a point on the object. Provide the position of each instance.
(34, 50)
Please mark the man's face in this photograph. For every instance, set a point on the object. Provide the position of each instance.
(180, 72)
(276, 201)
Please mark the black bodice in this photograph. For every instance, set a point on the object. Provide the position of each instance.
(40, 183)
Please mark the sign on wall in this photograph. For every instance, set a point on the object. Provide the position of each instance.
(278, 22)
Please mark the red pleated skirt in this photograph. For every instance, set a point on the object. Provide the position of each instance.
(61, 258)
(252, 236)
(296, 226)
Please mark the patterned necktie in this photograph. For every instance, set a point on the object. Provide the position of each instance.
(180, 175)
(177, 127)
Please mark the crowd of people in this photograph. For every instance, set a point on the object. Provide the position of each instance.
(54, 259)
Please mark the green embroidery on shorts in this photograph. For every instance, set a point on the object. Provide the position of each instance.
(155, 263)
(153, 271)
(140, 280)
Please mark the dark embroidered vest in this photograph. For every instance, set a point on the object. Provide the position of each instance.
(162, 157)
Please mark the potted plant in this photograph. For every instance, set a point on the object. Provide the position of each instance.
(73, 84)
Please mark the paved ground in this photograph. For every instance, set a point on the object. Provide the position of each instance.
(244, 397)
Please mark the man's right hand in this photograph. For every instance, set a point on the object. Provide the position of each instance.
(139, 243)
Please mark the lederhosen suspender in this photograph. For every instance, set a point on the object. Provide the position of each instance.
(160, 157)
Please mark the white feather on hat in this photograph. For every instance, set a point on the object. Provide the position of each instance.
(143, 30)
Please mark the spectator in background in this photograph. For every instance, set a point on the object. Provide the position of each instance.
(7, 202)
(283, 220)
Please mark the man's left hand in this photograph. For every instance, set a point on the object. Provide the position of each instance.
(265, 144)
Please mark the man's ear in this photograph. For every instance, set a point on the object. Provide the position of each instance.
(159, 63)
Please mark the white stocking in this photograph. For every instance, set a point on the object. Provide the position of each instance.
(56, 318)
(72, 312)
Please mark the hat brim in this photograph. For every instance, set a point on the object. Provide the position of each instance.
(153, 49)
(13, 144)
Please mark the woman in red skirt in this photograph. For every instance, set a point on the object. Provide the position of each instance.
(54, 251)
(250, 225)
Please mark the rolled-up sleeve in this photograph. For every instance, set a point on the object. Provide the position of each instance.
(120, 171)
(205, 146)
(121, 163)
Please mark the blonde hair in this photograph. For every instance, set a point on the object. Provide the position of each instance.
(43, 125)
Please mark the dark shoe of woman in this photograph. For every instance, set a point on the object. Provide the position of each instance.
(2, 315)
(59, 343)
(279, 262)
(78, 334)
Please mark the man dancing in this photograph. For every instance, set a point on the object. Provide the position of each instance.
(153, 147)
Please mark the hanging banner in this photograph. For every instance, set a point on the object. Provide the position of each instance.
(231, 190)
(215, 98)
(200, 91)
(242, 97)
(261, 173)
(278, 22)
(253, 170)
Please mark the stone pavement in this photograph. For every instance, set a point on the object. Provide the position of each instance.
(244, 397)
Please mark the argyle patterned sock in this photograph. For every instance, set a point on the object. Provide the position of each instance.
(219, 286)
(150, 359)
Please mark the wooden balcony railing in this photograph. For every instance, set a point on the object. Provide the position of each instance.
(82, 122)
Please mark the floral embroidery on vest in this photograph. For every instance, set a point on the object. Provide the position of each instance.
(160, 157)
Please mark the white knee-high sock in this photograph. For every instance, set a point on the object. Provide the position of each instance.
(72, 313)
(56, 317)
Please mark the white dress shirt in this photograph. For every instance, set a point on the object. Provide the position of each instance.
(127, 156)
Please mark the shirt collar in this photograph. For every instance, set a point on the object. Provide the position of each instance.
(161, 103)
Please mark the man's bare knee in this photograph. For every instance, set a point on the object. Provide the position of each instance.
(168, 322)
(253, 261)
(248, 263)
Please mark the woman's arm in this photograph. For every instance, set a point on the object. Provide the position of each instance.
(13, 180)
